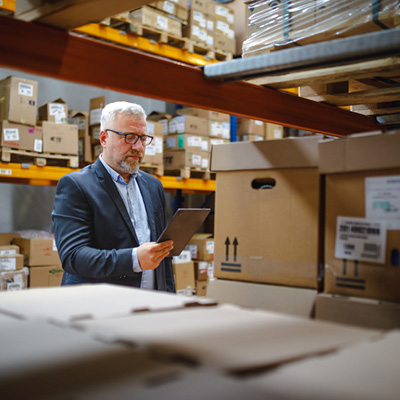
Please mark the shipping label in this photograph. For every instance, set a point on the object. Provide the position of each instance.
(11, 134)
(360, 239)
(25, 89)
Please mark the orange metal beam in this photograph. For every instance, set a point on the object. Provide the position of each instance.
(47, 51)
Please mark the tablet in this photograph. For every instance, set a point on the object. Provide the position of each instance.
(183, 225)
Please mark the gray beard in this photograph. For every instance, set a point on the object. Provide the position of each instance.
(129, 167)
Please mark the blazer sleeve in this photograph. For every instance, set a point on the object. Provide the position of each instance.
(76, 227)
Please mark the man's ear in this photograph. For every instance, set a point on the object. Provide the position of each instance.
(103, 137)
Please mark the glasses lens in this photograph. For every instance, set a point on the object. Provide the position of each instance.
(146, 140)
(130, 138)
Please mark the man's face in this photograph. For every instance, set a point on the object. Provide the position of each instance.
(120, 156)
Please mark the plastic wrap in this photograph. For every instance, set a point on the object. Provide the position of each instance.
(14, 280)
(277, 24)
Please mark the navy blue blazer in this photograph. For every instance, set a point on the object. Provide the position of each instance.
(94, 234)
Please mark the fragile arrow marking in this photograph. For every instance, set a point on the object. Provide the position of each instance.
(235, 244)
(227, 244)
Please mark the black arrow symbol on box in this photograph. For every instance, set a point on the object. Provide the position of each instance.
(227, 243)
(235, 244)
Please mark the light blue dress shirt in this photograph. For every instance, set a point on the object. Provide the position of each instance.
(132, 198)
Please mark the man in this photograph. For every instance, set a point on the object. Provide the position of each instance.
(108, 215)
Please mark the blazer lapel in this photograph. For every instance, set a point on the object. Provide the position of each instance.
(107, 183)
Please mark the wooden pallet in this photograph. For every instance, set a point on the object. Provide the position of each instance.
(153, 169)
(187, 173)
(39, 159)
(370, 87)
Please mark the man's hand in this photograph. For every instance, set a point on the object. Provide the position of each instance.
(151, 254)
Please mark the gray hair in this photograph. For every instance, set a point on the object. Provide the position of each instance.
(111, 110)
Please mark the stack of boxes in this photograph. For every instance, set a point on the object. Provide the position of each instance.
(95, 108)
(154, 156)
(310, 216)
(255, 130)
(81, 120)
(191, 134)
(28, 262)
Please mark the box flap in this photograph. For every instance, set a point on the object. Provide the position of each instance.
(69, 303)
(268, 154)
(227, 337)
(360, 153)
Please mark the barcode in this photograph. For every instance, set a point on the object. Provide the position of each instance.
(14, 286)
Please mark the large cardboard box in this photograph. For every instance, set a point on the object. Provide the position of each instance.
(21, 137)
(188, 124)
(280, 299)
(38, 251)
(60, 138)
(18, 100)
(155, 151)
(54, 111)
(362, 223)
(267, 211)
(6, 238)
(184, 277)
(368, 313)
(181, 159)
(81, 119)
(45, 276)
(250, 126)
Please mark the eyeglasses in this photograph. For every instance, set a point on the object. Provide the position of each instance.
(132, 138)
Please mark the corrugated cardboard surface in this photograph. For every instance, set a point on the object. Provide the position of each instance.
(267, 235)
(38, 251)
(29, 137)
(228, 337)
(60, 138)
(269, 154)
(357, 311)
(345, 196)
(283, 299)
(45, 276)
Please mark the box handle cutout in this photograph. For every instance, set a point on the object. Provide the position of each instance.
(263, 183)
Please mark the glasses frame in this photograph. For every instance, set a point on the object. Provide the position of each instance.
(134, 134)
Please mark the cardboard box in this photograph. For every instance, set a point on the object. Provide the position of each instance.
(201, 288)
(362, 222)
(11, 262)
(162, 118)
(45, 276)
(273, 131)
(54, 111)
(201, 246)
(188, 142)
(81, 120)
(6, 238)
(21, 137)
(38, 251)
(270, 232)
(155, 151)
(9, 249)
(250, 126)
(148, 16)
(18, 100)
(250, 138)
(184, 277)
(201, 270)
(189, 124)
(224, 41)
(172, 8)
(367, 313)
(155, 128)
(280, 299)
(220, 129)
(181, 159)
(60, 138)
(202, 113)
(13, 280)
(96, 106)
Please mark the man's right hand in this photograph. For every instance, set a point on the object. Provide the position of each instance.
(151, 254)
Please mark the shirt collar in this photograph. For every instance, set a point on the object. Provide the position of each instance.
(115, 176)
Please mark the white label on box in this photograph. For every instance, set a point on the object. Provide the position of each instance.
(11, 134)
(197, 16)
(231, 33)
(277, 133)
(203, 23)
(216, 128)
(150, 128)
(95, 115)
(194, 141)
(230, 19)
(5, 171)
(158, 144)
(162, 22)
(257, 122)
(195, 30)
(60, 118)
(38, 145)
(226, 130)
(54, 245)
(204, 163)
(203, 266)
(14, 286)
(196, 159)
(210, 25)
(56, 108)
(210, 246)
(151, 150)
(193, 250)
(382, 200)
(96, 133)
(170, 142)
(223, 27)
(204, 145)
(8, 264)
(7, 252)
(360, 239)
(210, 41)
(168, 7)
(222, 11)
(25, 89)
(184, 257)
(202, 35)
